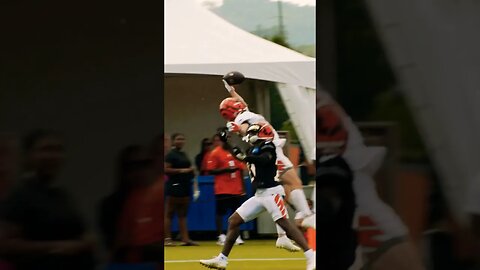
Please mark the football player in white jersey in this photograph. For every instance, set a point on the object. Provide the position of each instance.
(235, 110)
(364, 161)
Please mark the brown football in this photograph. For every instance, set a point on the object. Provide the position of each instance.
(234, 77)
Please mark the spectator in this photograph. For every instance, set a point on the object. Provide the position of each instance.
(229, 187)
(205, 148)
(112, 206)
(178, 189)
(42, 227)
(131, 218)
(139, 237)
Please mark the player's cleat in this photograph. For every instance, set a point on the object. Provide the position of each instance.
(309, 222)
(215, 263)
(285, 243)
(169, 243)
(239, 241)
(311, 262)
(221, 239)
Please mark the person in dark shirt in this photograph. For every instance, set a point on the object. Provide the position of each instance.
(42, 228)
(178, 189)
(261, 162)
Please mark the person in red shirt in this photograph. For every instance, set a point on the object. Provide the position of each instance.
(132, 219)
(229, 187)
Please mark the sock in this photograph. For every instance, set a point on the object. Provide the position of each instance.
(281, 232)
(298, 200)
(222, 257)
(309, 253)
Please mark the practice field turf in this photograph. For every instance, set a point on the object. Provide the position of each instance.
(253, 255)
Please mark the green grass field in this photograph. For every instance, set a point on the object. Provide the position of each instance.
(253, 255)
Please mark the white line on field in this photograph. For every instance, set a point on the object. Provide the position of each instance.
(242, 260)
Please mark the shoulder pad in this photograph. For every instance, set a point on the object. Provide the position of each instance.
(268, 146)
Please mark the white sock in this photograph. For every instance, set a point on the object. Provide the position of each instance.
(281, 232)
(222, 257)
(309, 253)
(298, 200)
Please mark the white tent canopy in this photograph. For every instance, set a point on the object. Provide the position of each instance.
(199, 42)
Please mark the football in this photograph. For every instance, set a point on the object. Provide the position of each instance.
(234, 77)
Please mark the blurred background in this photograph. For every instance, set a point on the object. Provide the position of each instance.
(407, 73)
(82, 81)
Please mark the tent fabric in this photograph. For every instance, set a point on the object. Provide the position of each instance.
(198, 41)
(300, 105)
(435, 55)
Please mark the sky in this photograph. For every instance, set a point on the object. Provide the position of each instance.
(298, 2)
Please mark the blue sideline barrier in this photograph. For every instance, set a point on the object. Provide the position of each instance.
(201, 214)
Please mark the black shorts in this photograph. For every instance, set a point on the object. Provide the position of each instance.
(178, 189)
(225, 202)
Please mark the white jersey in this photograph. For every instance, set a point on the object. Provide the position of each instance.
(253, 118)
(357, 154)
(283, 162)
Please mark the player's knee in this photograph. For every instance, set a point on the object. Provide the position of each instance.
(291, 179)
(235, 220)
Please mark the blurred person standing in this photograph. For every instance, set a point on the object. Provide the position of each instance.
(178, 189)
(229, 187)
(139, 235)
(42, 228)
(200, 158)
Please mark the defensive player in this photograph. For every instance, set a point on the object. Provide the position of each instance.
(261, 162)
(235, 110)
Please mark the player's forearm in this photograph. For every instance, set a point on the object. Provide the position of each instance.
(237, 97)
(170, 171)
(195, 184)
(222, 170)
(244, 187)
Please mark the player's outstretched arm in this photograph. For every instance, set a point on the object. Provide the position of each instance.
(233, 93)
(231, 80)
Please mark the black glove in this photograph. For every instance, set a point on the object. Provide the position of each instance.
(238, 153)
(223, 134)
